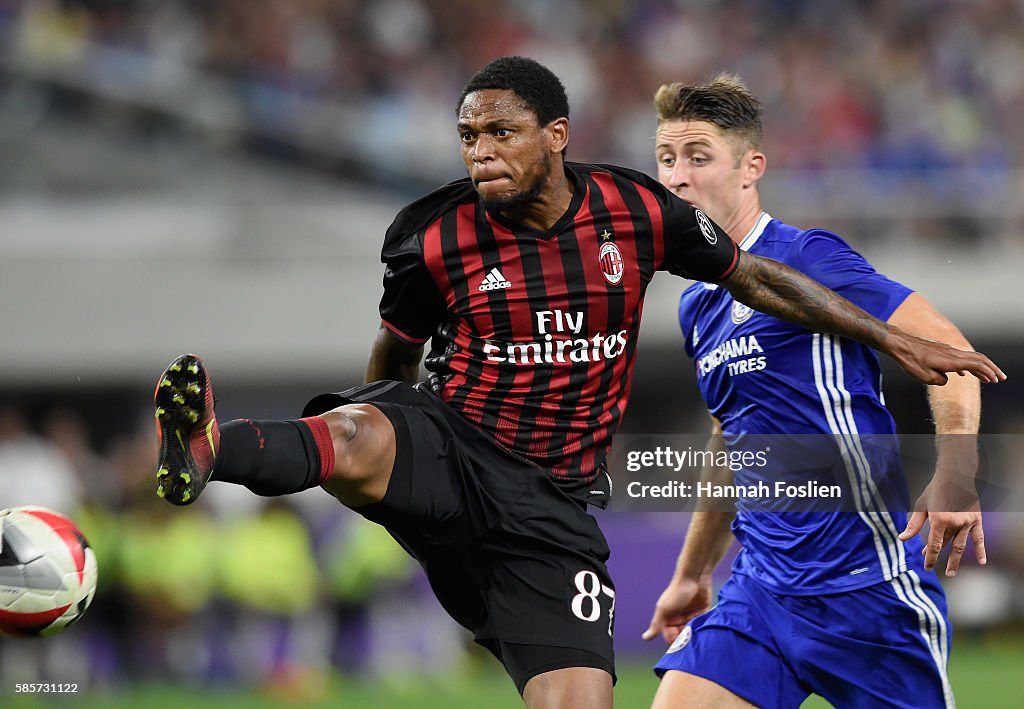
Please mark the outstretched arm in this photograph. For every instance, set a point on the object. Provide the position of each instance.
(777, 289)
(393, 358)
(950, 502)
(708, 538)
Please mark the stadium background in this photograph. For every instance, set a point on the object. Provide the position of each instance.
(216, 177)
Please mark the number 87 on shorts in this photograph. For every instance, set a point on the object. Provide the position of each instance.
(592, 597)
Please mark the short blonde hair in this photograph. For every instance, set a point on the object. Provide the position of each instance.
(725, 101)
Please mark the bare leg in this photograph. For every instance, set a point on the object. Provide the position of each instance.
(569, 688)
(681, 690)
(364, 454)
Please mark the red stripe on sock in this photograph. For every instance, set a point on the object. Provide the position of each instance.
(324, 444)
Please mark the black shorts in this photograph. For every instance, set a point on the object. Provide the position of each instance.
(509, 555)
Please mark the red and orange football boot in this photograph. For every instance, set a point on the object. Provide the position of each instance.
(187, 430)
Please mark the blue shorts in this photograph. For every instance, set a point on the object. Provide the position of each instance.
(883, 645)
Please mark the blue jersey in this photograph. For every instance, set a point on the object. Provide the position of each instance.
(762, 376)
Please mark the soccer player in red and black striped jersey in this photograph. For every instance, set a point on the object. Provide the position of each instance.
(534, 326)
(528, 280)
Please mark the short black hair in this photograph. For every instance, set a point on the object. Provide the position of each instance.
(531, 81)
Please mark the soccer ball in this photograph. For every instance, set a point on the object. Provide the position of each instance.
(47, 572)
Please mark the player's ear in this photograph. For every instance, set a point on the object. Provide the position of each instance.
(558, 134)
(754, 165)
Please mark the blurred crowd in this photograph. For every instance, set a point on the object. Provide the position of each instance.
(915, 86)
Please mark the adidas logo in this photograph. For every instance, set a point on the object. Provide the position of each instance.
(494, 281)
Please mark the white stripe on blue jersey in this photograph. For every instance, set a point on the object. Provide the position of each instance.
(759, 375)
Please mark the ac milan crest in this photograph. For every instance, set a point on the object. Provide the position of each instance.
(612, 265)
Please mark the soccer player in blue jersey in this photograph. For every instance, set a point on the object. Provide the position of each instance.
(841, 604)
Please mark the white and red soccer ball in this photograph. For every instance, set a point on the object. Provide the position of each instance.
(47, 572)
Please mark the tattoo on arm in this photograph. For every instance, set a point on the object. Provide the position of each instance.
(775, 288)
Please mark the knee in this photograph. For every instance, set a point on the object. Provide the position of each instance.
(364, 453)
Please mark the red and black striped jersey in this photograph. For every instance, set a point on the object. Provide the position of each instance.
(533, 333)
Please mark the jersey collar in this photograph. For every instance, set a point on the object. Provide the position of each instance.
(750, 239)
(755, 232)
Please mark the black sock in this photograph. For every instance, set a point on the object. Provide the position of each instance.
(269, 457)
